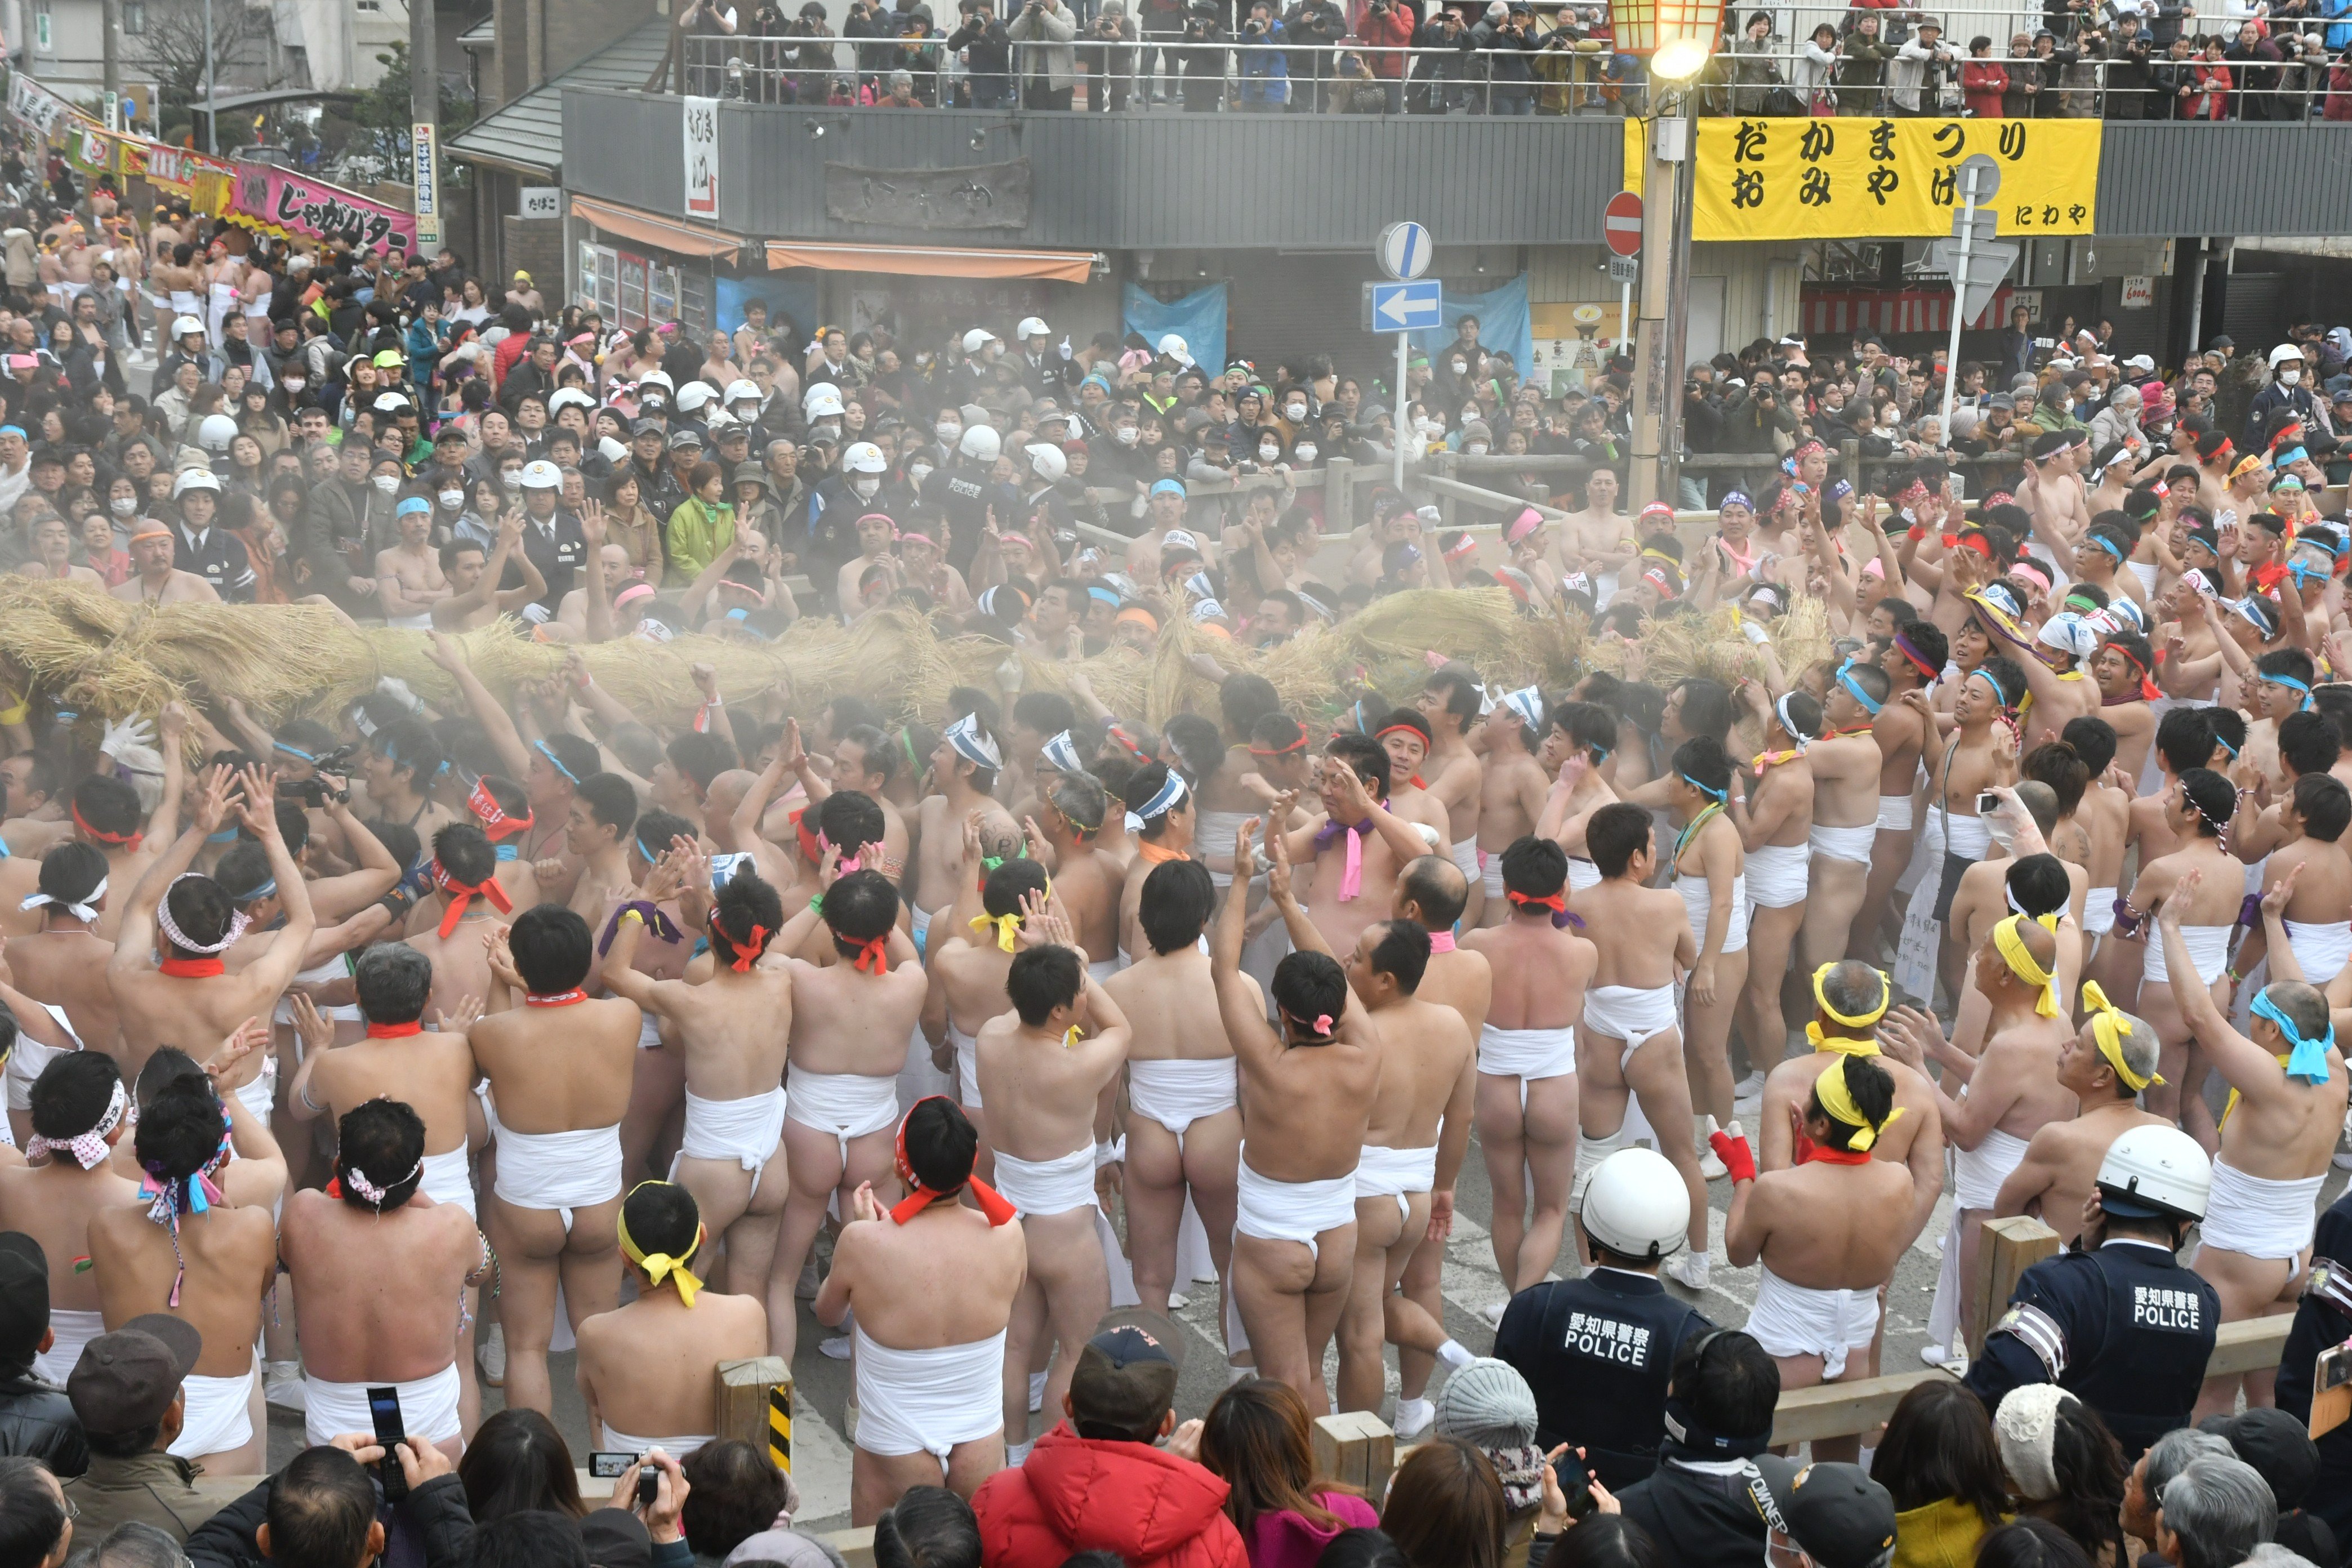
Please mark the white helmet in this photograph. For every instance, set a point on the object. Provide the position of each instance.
(982, 442)
(693, 395)
(569, 397)
(542, 474)
(2159, 1168)
(1636, 1204)
(823, 404)
(1175, 348)
(741, 391)
(977, 339)
(656, 378)
(195, 479)
(216, 432)
(1033, 326)
(2283, 353)
(186, 324)
(1046, 461)
(864, 457)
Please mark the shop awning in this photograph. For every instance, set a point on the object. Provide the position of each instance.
(921, 261)
(662, 232)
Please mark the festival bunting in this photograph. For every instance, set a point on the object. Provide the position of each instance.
(278, 202)
(1855, 178)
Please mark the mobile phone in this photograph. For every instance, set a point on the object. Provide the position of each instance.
(1987, 803)
(2331, 1390)
(1575, 1484)
(383, 1411)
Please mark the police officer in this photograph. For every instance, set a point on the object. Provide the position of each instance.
(1600, 1350)
(2324, 1319)
(2116, 1320)
(551, 540)
(213, 553)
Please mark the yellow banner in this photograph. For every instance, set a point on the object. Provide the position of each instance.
(1854, 178)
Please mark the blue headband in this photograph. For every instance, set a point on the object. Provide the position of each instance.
(1165, 799)
(2308, 1059)
(555, 761)
(1062, 752)
(1846, 679)
(2287, 681)
(1716, 794)
(1735, 497)
(1999, 695)
(2108, 544)
(292, 750)
(262, 891)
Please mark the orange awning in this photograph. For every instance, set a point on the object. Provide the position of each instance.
(921, 261)
(661, 233)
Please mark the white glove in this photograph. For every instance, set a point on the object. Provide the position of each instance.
(391, 686)
(121, 733)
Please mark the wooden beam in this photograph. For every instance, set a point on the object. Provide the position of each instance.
(856, 1546)
(1846, 1409)
(754, 1402)
(2006, 1249)
(1357, 1448)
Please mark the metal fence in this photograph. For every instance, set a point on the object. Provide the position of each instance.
(1107, 67)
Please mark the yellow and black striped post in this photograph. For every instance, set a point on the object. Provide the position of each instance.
(755, 1404)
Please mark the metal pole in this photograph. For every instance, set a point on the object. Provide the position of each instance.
(1625, 317)
(424, 78)
(1668, 147)
(1960, 294)
(1670, 432)
(212, 119)
(1401, 339)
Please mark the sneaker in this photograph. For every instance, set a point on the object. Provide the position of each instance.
(1493, 1311)
(838, 1348)
(282, 1386)
(1178, 1301)
(1688, 1269)
(2343, 1162)
(1955, 1362)
(490, 1357)
(1711, 1167)
(1414, 1418)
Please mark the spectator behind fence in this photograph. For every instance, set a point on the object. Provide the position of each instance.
(2279, 1446)
(132, 1545)
(2064, 1464)
(36, 1420)
(2153, 1471)
(1445, 1507)
(1361, 1548)
(1096, 1482)
(1721, 1402)
(734, 1491)
(320, 1512)
(1489, 1405)
(1938, 1462)
(1256, 1440)
(2030, 1544)
(927, 1527)
(2213, 1513)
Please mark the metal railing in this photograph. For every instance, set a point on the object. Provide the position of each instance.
(1567, 77)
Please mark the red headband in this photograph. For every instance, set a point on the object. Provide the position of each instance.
(1297, 745)
(130, 841)
(1556, 902)
(876, 952)
(747, 949)
(920, 1198)
(463, 893)
(496, 822)
(1904, 643)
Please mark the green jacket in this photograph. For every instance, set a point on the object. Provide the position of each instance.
(695, 535)
(154, 1489)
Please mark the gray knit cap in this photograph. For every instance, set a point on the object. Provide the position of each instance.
(1487, 1404)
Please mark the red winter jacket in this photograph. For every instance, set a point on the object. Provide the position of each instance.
(1075, 1494)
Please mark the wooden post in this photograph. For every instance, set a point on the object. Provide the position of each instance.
(754, 1402)
(1355, 1446)
(1340, 496)
(2006, 1249)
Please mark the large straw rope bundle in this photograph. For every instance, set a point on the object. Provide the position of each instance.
(108, 659)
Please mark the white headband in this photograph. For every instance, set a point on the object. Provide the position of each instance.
(85, 911)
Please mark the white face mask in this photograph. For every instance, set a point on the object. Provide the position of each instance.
(947, 431)
(1304, 451)
(124, 506)
(1126, 435)
(1476, 449)
(2290, 375)
(512, 478)
(1294, 410)
(453, 499)
(865, 487)
(918, 472)
(1890, 416)
(387, 483)
(1268, 452)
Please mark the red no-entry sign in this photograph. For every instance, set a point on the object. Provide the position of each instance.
(1621, 223)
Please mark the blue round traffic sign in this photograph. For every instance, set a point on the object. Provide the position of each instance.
(1404, 250)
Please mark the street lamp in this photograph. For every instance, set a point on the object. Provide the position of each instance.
(1676, 34)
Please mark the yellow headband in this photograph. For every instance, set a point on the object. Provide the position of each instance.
(1007, 926)
(1838, 1100)
(2107, 1029)
(1851, 1020)
(2011, 946)
(660, 1266)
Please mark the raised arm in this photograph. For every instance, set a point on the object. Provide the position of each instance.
(2244, 1064)
(1239, 1004)
(487, 710)
(257, 808)
(133, 944)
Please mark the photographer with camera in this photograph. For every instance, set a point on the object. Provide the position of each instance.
(706, 18)
(2130, 55)
(1505, 45)
(987, 53)
(872, 60)
(1265, 65)
(1387, 21)
(1048, 65)
(1204, 69)
(1109, 54)
(1438, 79)
(811, 61)
(1315, 22)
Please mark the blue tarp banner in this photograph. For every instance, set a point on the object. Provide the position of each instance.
(1503, 322)
(1199, 318)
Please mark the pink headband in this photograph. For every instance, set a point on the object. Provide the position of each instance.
(1526, 523)
(632, 594)
(911, 536)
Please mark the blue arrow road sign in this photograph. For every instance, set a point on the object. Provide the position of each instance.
(1404, 307)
